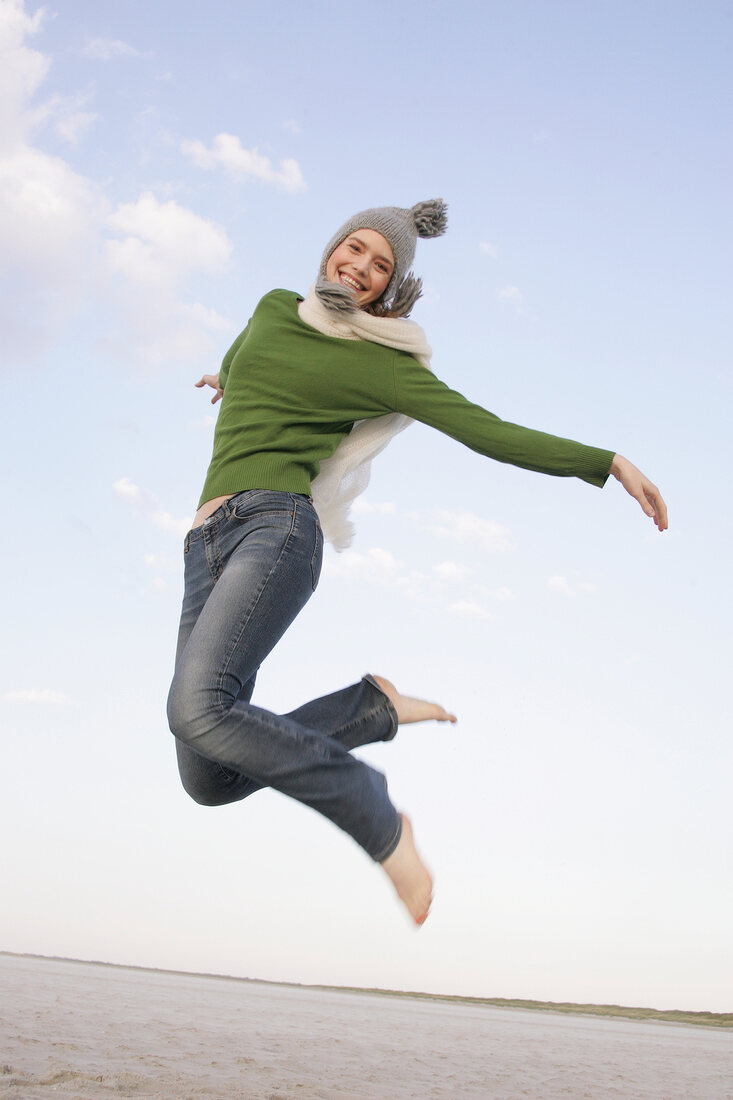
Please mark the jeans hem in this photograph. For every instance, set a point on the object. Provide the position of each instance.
(390, 847)
(394, 721)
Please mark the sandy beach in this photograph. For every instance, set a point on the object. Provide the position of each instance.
(76, 1030)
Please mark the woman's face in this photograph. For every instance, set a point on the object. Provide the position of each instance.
(363, 263)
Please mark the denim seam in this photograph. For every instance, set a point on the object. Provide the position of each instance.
(318, 545)
(363, 719)
(212, 549)
(246, 519)
(253, 607)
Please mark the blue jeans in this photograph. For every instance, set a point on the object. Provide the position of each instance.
(249, 569)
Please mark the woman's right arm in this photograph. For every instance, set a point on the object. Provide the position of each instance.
(218, 381)
(213, 381)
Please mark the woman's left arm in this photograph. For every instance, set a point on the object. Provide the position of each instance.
(419, 394)
(640, 488)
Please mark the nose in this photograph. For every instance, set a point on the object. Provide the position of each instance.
(360, 264)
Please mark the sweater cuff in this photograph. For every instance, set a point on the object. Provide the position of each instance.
(597, 470)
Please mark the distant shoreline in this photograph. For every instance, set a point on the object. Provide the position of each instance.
(674, 1016)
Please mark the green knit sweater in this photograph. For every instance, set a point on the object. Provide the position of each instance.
(291, 394)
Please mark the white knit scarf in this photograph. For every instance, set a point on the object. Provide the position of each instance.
(345, 474)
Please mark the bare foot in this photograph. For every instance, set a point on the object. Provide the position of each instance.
(413, 710)
(409, 875)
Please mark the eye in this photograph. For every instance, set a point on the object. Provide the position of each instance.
(383, 268)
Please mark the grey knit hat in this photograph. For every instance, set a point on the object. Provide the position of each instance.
(400, 227)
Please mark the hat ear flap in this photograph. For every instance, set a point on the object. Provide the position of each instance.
(431, 217)
(406, 295)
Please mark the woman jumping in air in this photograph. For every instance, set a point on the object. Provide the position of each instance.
(312, 390)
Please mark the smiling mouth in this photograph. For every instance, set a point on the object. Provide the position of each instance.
(351, 282)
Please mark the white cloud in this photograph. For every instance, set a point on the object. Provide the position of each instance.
(164, 521)
(31, 696)
(376, 565)
(383, 560)
(450, 571)
(70, 121)
(208, 318)
(203, 424)
(158, 561)
(46, 209)
(44, 214)
(561, 585)
(22, 70)
(467, 527)
(127, 491)
(500, 594)
(72, 126)
(512, 295)
(565, 588)
(227, 152)
(162, 241)
(160, 245)
(382, 569)
(105, 49)
(364, 507)
(159, 564)
(489, 249)
(55, 254)
(427, 587)
(159, 329)
(468, 609)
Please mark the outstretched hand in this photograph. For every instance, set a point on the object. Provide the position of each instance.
(213, 381)
(640, 488)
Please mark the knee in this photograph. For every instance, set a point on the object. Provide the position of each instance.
(209, 783)
(197, 776)
(200, 794)
(176, 711)
(184, 717)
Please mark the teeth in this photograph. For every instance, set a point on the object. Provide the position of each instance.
(351, 282)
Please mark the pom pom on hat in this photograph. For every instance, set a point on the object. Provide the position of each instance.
(431, 218)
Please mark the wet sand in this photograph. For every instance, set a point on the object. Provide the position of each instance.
(74, 1030)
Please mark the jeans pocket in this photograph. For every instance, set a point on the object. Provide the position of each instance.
(260, 502)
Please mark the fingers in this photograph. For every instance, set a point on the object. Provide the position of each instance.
(657, 506)
(651, 501)
(213, 381)
(646, 500)
(641, 488)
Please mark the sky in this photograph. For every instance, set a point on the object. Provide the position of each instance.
(162, 167)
